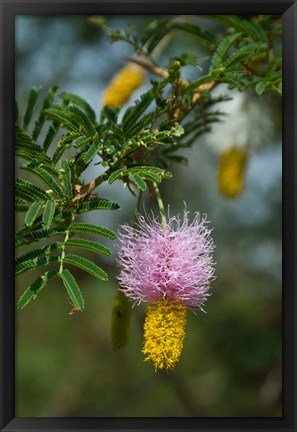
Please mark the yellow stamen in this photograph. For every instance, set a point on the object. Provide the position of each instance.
(231, 172)
(164, 333)
(128, 79)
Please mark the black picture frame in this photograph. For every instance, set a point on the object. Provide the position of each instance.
(9, 10)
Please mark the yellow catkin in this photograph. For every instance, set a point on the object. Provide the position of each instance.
(120, 89)
(120, 321)
(164, 333)
(232, 172)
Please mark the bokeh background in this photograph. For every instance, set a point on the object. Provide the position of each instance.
(231, 363)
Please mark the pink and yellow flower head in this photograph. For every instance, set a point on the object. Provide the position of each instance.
(170, 269)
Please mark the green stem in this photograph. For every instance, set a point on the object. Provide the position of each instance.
(63, 251)
(138, 203)
(161, 205)
(139, 199)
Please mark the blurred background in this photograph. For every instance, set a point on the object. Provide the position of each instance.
(231, 363)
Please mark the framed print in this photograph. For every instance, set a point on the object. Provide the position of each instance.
(148, 159)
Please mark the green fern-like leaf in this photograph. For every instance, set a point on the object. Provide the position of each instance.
(46, 172)
(32, 291)
(65, 119)
(30, 106)
(47, 102)
(34, 263)
(133, 114)
(146, 172)
(178, 158)
(92, 229)
(34, 157)
(247, 53)
(157, 35)
(261, 86)
(32, 213)
(158, 29)
(77, 100)
(24, 229)
(222, 50)
(87, 266)
(86, 157)
(24, 141)
(87, 123)
(247, 26)
(66, 178)
(139, 182)
(236, 77)
(81, 141)
(97, 204)
(109, 114)
(44, 250)
(215, 74)
(72, 289)
(150, 29)
(63, 144)
(21, 205)
(204, 35)
(146, 120)
(50, 135)
(39, 235)
(30, 192)
(88, 245)
(152, 177)
(54, 127)
(63, 217)
(48, 213)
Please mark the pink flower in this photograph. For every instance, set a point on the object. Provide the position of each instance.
(175, 264)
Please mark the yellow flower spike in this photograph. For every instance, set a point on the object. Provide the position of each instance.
(126, 81)
(164, 334)
(232, 172)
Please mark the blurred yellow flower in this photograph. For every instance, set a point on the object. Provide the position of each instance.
(232, 172)
(246, 127)
(121, 87)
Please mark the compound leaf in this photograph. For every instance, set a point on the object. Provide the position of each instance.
(47, 102)
(39, 235)
(30, 105)
(44, 250)
(88, 245)
(92, 229)
(29, 191)
(43, 173)
(66, 177)
(32, 291)
(48, 213)
(77, 100)
(86, 265)
(100, 204)
(72, 289)
(35, 262)
(32, 213)
(139, 182)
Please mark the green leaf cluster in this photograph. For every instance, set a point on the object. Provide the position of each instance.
(248, 54)
(46, 194)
